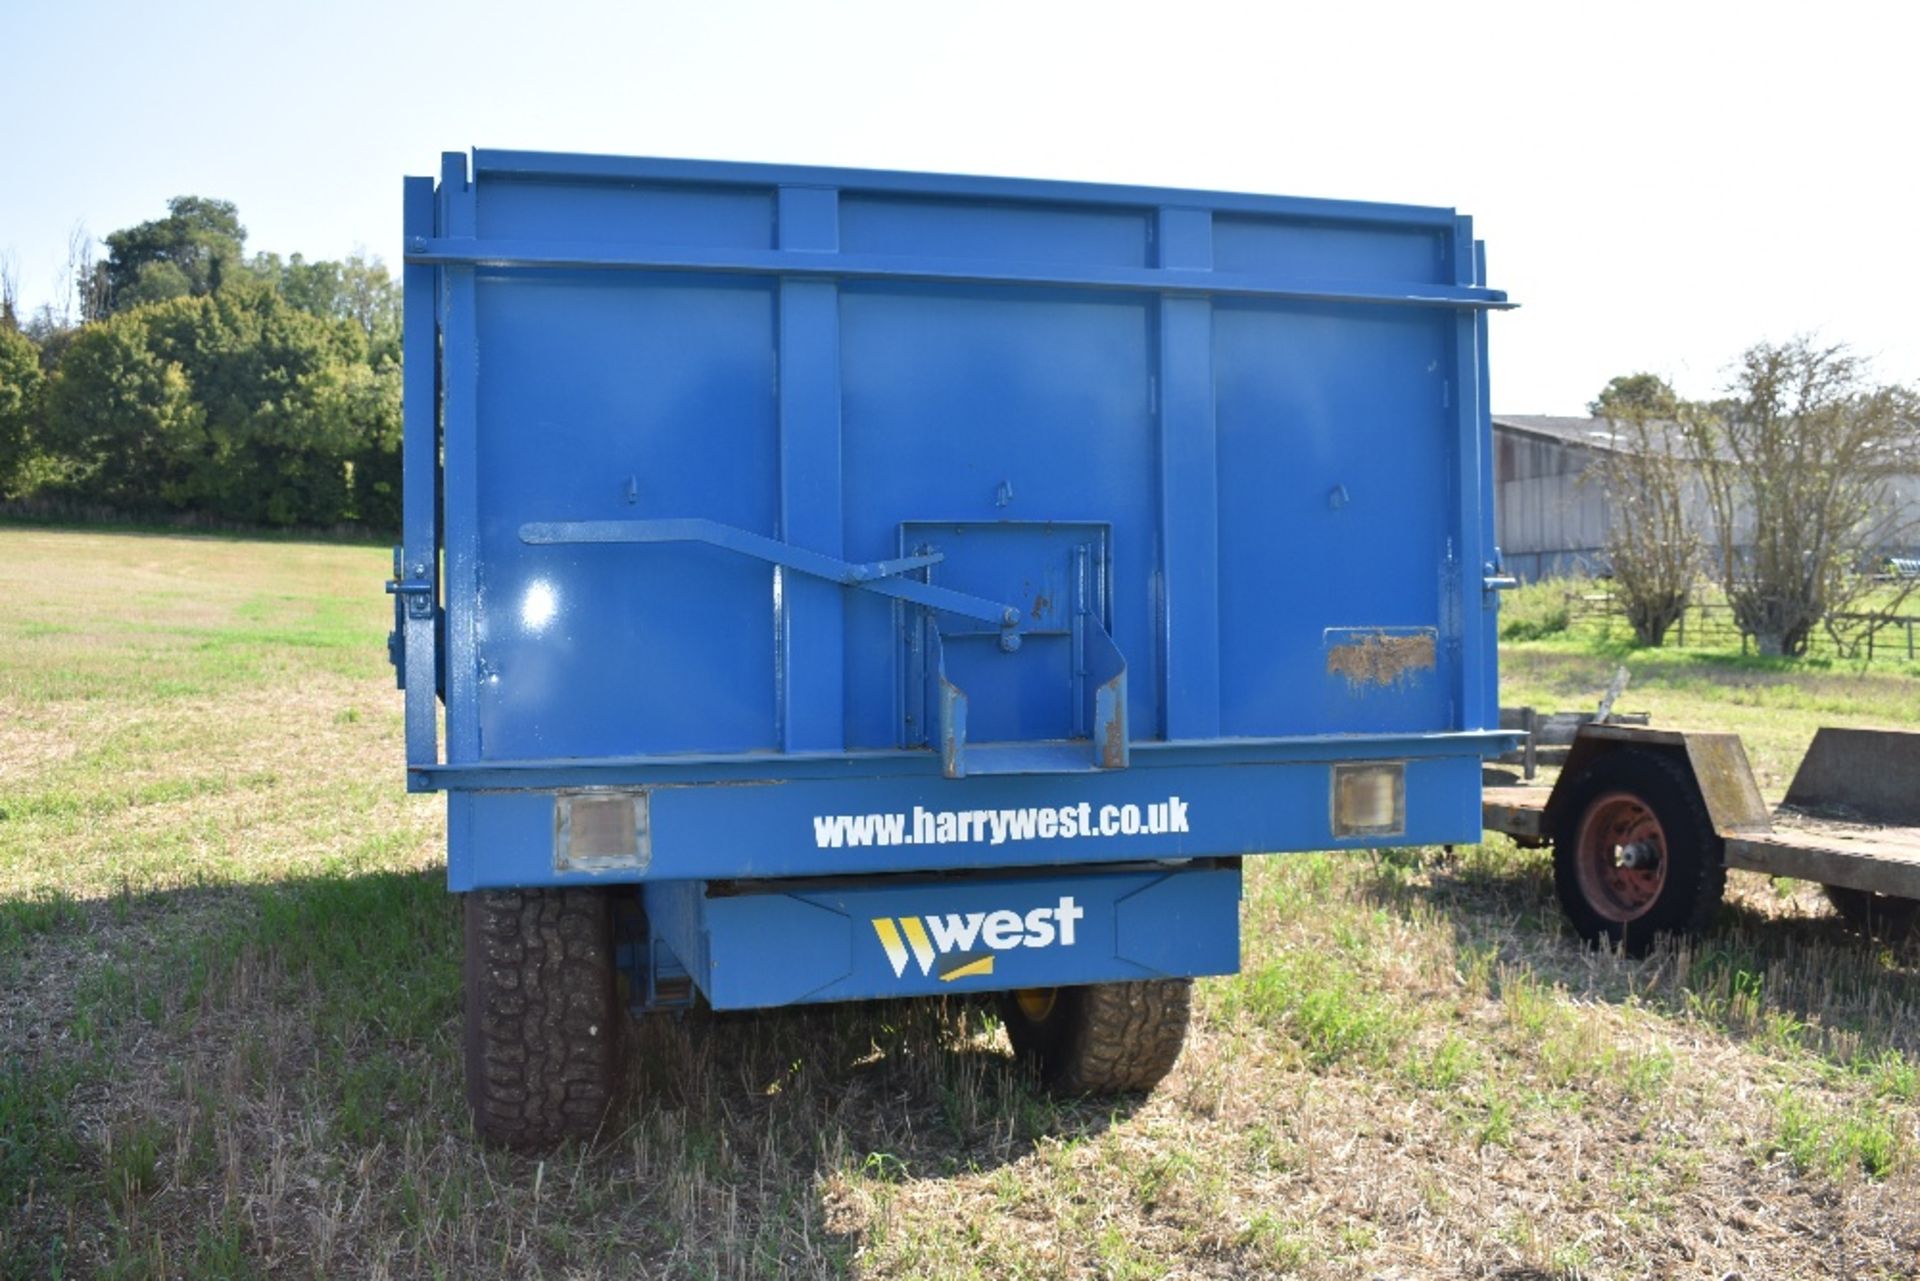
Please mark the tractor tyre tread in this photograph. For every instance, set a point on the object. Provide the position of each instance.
(542, 1031)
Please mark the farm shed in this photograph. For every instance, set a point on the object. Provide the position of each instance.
(1553, 518)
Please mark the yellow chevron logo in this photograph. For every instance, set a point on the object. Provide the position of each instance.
(896, 950)
(971, 970)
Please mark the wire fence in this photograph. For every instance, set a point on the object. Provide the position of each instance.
(1870, 636)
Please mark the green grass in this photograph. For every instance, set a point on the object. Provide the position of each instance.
(1774, 704)
(229, 1019)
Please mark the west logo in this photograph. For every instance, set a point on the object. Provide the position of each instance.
(927, 940)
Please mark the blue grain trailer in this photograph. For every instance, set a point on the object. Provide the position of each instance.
(847, 584)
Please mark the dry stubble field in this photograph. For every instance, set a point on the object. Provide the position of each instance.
(229, 1020)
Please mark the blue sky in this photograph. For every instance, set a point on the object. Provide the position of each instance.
(1658, 184)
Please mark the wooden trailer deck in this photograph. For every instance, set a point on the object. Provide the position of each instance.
(1857, 856)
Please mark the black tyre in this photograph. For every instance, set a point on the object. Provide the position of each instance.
(1109, 1038)
(1877, 916)
(1635, 855)
(543, 1023)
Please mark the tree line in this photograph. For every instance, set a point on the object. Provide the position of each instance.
(182, 375)
(1784, 492)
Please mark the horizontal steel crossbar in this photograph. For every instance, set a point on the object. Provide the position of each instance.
(460, 251)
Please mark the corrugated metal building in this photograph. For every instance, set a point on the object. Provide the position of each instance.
(1552, 517)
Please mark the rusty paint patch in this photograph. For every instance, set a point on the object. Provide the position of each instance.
(1113, 753)
(1380, 658)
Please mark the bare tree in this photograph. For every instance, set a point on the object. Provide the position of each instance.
(78, 289)
(1797, 469)
(9, 291)
(1653, 544)
(89, 276)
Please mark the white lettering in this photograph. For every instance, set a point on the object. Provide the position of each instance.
(922, 826)
(1066, 914)
(1002, 930)
(953, 932)
(1039, 928)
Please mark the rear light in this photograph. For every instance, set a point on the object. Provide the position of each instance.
(600, 831)
(1370, 799)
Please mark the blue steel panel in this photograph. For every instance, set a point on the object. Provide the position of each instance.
(1335, 449)
(812, 623)
(539, 253)
(1165, 927)
(1329, 251)
(1188, 605)
(989, 405)
(1472, 501)
(557, 165)
(778, 944)
(612, 398)
(1007, 232)
(629, 214)
(1050, 571)
(770, 830)
(1488, 713)
(420, 488)
(459, 408)
(760, 767)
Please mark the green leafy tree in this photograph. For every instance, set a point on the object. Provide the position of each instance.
(235, 404)
(263, 390)
(189, 253)
(20, 386)
(376, 459)
(312, 287)
(278, 392)
(357, 289)
(121, 418)
(1641, 397)
(370, 298)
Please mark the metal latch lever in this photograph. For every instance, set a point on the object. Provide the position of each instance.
(411, 583)
(883, 576)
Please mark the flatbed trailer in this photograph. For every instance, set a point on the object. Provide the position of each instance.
(1645, 822)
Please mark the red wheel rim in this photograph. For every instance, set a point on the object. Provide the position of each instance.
(1622, 857)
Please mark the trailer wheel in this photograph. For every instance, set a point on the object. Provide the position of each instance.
(542, 1032)
(1107, 1038)
(1884, 917)
(1635, 854)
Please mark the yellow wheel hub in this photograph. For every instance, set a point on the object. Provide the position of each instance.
(1036, 1002)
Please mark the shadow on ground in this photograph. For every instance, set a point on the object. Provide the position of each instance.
(1777, 968)
(266, 1080)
